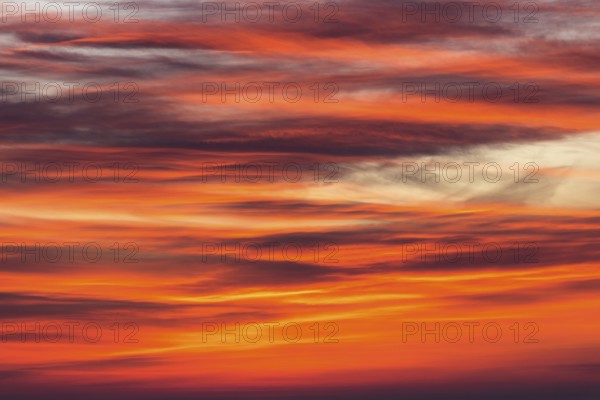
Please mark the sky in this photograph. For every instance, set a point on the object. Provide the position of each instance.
(331, 200)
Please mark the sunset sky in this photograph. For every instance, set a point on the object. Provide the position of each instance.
(300, 200)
